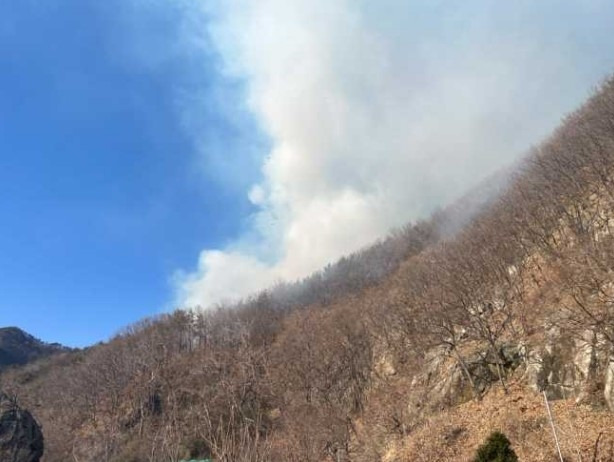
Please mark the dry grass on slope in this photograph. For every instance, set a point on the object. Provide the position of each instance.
(455, 434)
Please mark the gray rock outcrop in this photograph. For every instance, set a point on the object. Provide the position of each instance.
(21, 438)
(566, 366)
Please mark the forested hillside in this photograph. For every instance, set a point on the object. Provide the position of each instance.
(414, 349)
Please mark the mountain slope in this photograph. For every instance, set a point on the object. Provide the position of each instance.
(418, 362)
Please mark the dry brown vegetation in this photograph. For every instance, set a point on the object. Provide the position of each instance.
(414, 349)
(454, 434)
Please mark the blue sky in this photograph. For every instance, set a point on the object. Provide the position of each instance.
(156, 153)
(104, 192)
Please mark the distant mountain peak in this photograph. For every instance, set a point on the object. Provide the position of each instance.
(17, 347)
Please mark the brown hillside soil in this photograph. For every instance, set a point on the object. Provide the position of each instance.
(455, 434)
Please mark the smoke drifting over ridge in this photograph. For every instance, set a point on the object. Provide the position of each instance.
(378, 112)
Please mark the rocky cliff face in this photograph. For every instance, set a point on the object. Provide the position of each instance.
(563, 366)
(21, 439)
(578, 367)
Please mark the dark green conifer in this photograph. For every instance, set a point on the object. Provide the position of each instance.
(497, 448)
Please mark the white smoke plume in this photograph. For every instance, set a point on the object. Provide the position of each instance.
(380, 111)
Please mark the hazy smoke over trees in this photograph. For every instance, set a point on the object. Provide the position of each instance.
(378, 112)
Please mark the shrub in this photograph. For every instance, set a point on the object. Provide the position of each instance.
(497, 448)
(197, 449)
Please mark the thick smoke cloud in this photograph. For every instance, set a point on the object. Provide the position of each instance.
(378, 112)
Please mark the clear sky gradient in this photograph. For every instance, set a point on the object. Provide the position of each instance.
(103, 190)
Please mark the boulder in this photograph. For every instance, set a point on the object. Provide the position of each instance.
(21, 439)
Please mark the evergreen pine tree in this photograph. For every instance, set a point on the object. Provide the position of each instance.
(497, 448)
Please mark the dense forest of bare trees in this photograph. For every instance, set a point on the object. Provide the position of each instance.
(296, 373)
